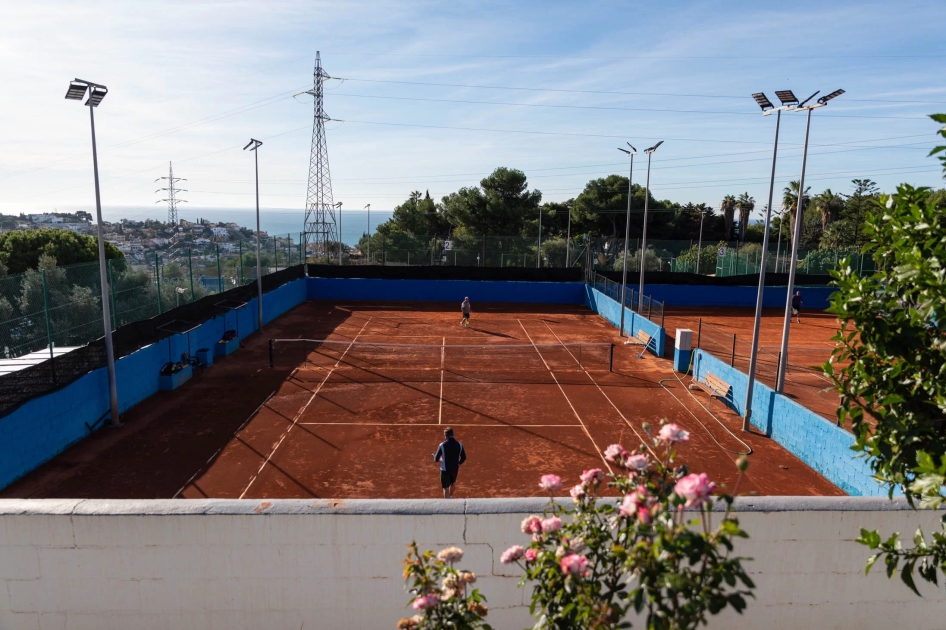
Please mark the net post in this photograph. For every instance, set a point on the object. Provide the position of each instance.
(732, 360)
(699, 332)
(611, 358)
(271, 353)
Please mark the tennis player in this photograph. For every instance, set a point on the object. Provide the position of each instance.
(465, 309)
(450, 454)
(797, 303)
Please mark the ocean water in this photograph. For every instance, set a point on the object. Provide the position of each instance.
(354, 222)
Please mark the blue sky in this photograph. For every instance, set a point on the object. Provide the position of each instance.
(438, 94)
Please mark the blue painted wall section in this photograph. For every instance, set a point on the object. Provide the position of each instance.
(815, 298)
(816, 441)
(446, 290)
(610, 310)
(42, 428)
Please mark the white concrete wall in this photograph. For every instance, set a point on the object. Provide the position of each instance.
(337, 564)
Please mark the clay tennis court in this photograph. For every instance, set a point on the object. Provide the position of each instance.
(349, 419)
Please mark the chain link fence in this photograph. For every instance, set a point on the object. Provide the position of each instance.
(650, 308)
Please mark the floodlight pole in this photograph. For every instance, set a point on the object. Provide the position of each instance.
(568, 239)
(786, 324)
(754, 352)
(627, 235)
(368, 207)
(649, 152)
(103, 281)
(699, 244)
(254, 145)
(538, 252)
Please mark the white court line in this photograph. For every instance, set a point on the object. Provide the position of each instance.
(626, 421)
(561, 389)
(295, 419)
(431, 424)
(443, 348)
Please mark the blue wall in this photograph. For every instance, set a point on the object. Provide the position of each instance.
(610, 310)
(705, 295)
(446, 290)
(42, 428)
(818, 442)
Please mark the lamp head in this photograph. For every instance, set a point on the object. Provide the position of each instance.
(632, 147)
(787, 97)
(824, 99)
(654, 148)
(763, 101)
(253, 145)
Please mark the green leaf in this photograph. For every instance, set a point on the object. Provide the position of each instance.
(906, 575)
(870, 563)
(869, 538)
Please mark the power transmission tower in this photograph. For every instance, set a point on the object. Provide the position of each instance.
(172, 191)
(320, 227)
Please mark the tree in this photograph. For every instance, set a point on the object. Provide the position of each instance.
(500, 206)
(601, 208)
(790, 204)
(419, 215)
(728, 207)
(858, 205)
(746, 205)
(890, 366)
(829, 205)
(20, 250)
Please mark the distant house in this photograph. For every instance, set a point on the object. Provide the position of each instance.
(202, 241)
(219, 231)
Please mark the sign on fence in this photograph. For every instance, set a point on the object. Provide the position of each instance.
(722, 252)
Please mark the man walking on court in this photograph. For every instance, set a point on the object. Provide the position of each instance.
(797, 303)
(465, 309)
(450, 454)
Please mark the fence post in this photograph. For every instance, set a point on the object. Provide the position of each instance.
(699, 332)
(611, 359)
(49, 331)
(271, 353)
(242, 279)
(732, 359)
(111, 292)
(650, 306)
(157, 277)
(219, 279)
(275, 254)
(190, 272)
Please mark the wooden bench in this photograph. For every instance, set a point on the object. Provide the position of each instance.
(715, 386)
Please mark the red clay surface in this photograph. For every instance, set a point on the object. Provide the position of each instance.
(342, 422)
(810, 346)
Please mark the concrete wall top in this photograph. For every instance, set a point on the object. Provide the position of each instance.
(405, 507)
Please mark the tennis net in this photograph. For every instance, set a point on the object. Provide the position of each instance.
(488, 357)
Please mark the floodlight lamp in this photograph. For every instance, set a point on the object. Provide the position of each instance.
(96, 94)
(632, 146)
(76, 90)
(805, 102)
(252, 145)
(654, 148)
(624, 150)
(763, 101)
(824, 99)
(787, 97)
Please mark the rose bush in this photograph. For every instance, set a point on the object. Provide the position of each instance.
(440, 593)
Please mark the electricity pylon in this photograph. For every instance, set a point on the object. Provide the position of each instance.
(320, 227)
(172, 191)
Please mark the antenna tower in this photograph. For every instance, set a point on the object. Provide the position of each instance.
(320, 227)
(172, 191)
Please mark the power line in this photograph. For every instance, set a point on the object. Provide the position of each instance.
(628, 57)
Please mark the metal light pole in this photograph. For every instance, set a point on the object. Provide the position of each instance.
(767, 108)
(339, 206)
(568, 239)
(699, 244)
(538, 252)
(627, 232)
(649, 152)
(368, 207)
(253, 145)
(786, 325)
(76, 92)
(778, 246)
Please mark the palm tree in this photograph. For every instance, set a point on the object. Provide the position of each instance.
(746, 205)
(728, 206)
(829, 204)
(790, 203)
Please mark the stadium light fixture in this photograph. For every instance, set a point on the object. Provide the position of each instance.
(77, 89)
(789, 102)
(627, 232)
(786, 324)
(640, 296)
(253, 145)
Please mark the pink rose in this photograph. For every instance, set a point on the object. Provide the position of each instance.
(696, 489)
(637, 463)
(551, 524)
(425, 601)
(511, 555)
(630, 504)
(550, 483)
(573, 564)
(530, 555)
(644, 515)
(615, 454)
(577, 493)
(531, 525)
(595, 475)
(673, 433)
